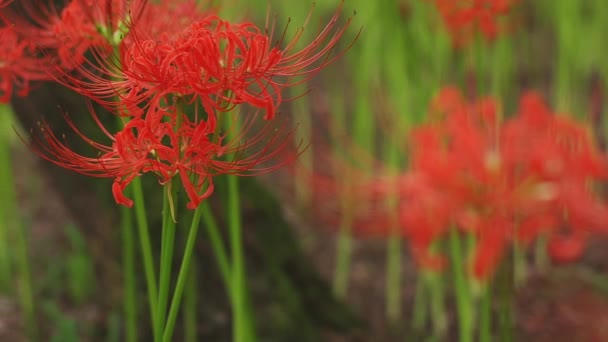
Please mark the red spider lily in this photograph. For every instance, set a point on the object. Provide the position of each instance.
(501, 181)
(69, 32)
(169, 18)
(18, 66)
(464, 18)
(101, 77)
(154, 143)
(5, 3)
(221, 63)
(512, 180)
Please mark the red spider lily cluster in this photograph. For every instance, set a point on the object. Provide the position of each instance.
(18, 64)
(466, 18)
(501, 181)
(171, 71)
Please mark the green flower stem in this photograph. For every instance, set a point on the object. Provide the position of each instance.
(502, 60)
(142, 225)
(9, 217)
(219, 250)
(541, 259)
(166, 259)
(304, 132)
(393, 262)
(7, 213)
(520, 264)
(237, 287)
(437, 304)
(217, 245)
(393, 279)
(343, 245)
(463, 298)
(146, 246)
(130, 303)
(26, 291)
(343, 257)
(420, 310)
(190, 306)
(243, 326)
(566, 26)
(505, 288)
(182, 277)
(485, 318)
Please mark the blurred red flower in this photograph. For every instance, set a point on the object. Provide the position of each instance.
(466, 18)
(501, 181)
(19, 66)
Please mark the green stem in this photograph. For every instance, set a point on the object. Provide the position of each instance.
(9, 217)
(219, 250)
(463, 298)
(540, 254)
(130, 300)
(182, 277)
(343, 258)
(520, 264)
(6, 215)
(146, 246)
(485, 319)
(505, 285)
(437, 304)
(217, 245)
(26, 292)
(420, 310)
(238, 268)
(393, 279)
(304, 133)
(166, 259)
(190, 306)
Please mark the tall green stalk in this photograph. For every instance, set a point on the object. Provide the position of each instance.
(136, 188)
(166, 258)
(10, 220)
(130, 302)
(191, 306)
(343, 256)
(237, 288)
(420, 309)
(7, 219)
(393, 157)
(505, 289)
(393, 279)
(217, 245)
(243, 326)
(485, 314)
(141, 220)
(436, 288)
(146, 247)
(182, 277)
(304, 133)
(463, 297)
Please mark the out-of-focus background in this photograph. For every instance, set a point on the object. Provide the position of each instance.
(354, 116)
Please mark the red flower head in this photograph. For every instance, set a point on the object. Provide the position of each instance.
(221, 63)
(464, 18)
(156, 143)
(18, 66)
(499, 181)
(81, 26)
